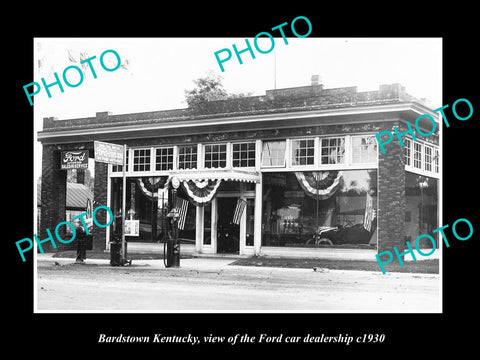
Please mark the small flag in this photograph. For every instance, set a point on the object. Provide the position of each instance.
(182, 208)
(241, 204)
(369, 213)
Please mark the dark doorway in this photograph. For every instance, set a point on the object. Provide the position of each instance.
(228, 233)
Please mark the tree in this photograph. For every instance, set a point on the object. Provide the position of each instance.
(209, 88)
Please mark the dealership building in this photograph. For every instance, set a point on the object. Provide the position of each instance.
(295, 170)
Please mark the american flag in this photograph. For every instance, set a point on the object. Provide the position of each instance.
(369, 213)
(241, 204)
(182, 208)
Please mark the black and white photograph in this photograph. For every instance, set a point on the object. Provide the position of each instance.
(216, 181)
(259, 188)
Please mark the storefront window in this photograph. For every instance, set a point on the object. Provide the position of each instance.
(187, 219)
(243, 154)
(143, 203)
(324, 208)
(273, 153)
(421, 194)
(303, 152)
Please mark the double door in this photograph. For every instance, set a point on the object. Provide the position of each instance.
(228, 226)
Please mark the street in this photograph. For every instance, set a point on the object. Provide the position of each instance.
(211, 285)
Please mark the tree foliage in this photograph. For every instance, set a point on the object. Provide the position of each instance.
(209, 88)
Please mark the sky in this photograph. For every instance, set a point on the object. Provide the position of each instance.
(159, 70)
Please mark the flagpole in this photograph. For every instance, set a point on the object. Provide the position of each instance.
(275, 69)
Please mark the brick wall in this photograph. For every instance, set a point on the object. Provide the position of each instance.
(391, 197)
(54, 194)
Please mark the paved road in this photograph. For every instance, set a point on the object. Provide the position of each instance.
(212, 285)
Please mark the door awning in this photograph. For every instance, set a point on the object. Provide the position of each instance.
(216, 174)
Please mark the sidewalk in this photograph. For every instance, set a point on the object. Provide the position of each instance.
(199, 263)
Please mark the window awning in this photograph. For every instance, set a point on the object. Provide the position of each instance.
(216, 174)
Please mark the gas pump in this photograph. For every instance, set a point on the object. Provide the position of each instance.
(171, 257)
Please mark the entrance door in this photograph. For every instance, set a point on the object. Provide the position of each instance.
(228, 233)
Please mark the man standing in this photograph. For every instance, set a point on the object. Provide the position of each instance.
(81, 239)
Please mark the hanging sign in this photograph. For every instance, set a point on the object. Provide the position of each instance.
(108, 153)
(74, 160)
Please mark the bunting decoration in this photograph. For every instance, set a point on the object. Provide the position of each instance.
(201, 192)
(323, 184)
(150, 185)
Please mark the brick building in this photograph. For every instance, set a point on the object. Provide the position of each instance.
(296, 169)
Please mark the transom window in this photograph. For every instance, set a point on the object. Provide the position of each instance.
(332, 151)
(407, 151)
(164, 159)
(273, 153)
(216, 156)
(187, 157)
(243, 154)
(303, 151)
(428, 158)
(364, 149)
(141, 160)
(417, 155)
(119, 168)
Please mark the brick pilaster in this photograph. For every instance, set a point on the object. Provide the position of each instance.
(54, 194)
(391, 197)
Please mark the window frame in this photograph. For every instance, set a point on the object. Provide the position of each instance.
(156, 163)
(362, 155)
(248, 151)
(285, 152)
(415, 160)
(313, 156)
(145, 164)
(225, 160)
(191, 154)
(321, 147)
